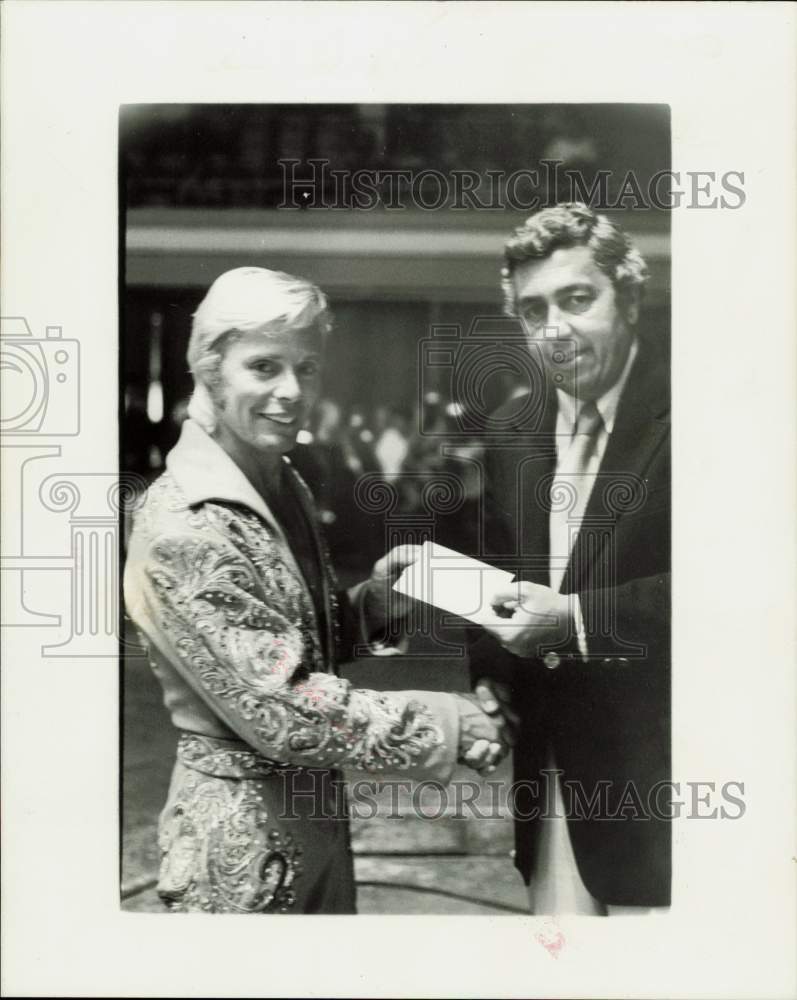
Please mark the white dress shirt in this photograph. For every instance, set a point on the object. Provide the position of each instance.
(566, 422)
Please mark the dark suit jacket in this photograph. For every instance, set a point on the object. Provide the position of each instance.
(607, 719)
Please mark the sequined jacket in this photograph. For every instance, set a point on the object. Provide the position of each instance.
(233, 635)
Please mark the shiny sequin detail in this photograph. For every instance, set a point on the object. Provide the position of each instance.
(224, 758)
(220, 853)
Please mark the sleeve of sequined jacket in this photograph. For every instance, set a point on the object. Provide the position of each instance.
(201, 601)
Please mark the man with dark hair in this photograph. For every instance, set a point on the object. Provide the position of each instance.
(578, 504)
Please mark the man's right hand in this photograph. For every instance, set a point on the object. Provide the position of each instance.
(482, 742)
(496, 700)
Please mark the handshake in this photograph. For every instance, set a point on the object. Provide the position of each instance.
(487, 726)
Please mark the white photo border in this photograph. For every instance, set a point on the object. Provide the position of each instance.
(728, 73)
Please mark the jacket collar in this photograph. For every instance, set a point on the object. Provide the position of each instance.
(641, 426)
(204, 471)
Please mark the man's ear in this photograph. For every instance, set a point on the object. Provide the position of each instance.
(631, 302)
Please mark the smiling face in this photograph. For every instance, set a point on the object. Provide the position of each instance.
(267, 384)
(570, 310)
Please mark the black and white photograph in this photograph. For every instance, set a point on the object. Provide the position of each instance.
(372, 343)
(397, 429)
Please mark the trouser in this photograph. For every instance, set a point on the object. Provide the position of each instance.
(556, 886)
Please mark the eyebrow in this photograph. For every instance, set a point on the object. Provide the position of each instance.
(278, 356)
(576, 286)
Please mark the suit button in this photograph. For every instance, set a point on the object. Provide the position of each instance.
(552, 660)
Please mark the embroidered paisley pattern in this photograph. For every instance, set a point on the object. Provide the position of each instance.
(239, 618)
(219, 852)
(224, 758)
(231, 630)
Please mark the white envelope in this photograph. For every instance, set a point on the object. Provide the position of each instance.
(455, 583)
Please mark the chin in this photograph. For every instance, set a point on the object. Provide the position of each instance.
(587, 393)
(587, 385)
(271, 443)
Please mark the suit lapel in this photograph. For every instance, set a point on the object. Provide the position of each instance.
(642, 423)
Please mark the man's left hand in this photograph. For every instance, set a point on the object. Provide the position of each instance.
(536, 617)
(381, 601)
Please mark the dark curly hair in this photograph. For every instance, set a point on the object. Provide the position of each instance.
(572, 224)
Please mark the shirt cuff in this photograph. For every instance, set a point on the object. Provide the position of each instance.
(581, 635)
